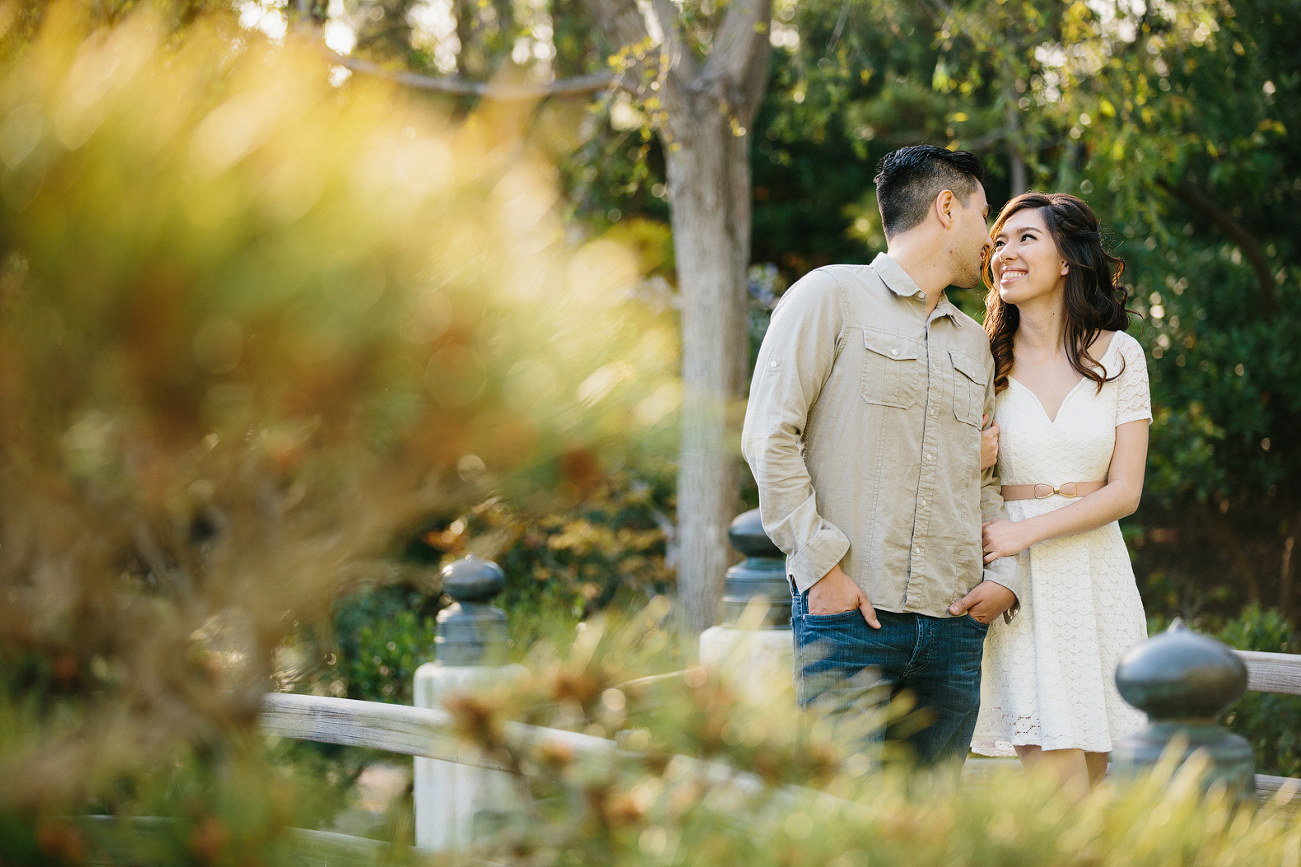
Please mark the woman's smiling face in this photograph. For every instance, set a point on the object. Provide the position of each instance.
(1026, 263)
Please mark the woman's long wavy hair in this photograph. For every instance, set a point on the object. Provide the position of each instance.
(1094, 298)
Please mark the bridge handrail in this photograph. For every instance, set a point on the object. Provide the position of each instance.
(411, 731)
(1272, 672)
(434, 734)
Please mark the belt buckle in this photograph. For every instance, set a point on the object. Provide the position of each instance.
(1049, 490)
(1075, 490)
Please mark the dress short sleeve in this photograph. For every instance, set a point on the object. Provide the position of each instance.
(1134, 397)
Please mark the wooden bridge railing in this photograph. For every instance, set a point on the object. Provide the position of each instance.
(432, 733)
(1272, 672)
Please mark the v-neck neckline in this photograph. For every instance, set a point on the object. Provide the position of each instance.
(1052, 420)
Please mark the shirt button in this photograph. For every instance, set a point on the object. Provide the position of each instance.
(928, 457)
(772, 364)
(894, 352)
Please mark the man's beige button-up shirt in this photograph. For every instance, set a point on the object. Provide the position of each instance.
(863, 433)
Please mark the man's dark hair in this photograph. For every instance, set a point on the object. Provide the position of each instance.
(909, 179)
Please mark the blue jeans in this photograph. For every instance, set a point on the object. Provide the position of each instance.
(848, 670)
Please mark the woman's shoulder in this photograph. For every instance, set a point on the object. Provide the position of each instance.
(1115, 343)
(1124, 355)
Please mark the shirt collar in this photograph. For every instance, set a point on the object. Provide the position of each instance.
(902, 285)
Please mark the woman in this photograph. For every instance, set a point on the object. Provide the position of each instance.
(1073, 409)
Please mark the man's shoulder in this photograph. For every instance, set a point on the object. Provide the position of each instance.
(825, 285)
(840, 276)
(834, 281)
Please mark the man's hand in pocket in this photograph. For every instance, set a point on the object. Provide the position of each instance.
(837, 593)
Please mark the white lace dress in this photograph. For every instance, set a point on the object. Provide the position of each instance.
(1049, 675)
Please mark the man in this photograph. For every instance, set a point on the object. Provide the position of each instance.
(863, 433)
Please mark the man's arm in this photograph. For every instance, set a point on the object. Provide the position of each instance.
(796, 358)
(1000, 591)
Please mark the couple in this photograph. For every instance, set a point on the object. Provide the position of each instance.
(904, 545)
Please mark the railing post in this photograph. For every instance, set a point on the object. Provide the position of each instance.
(457, 804)
(753, 644)
(1183, 681)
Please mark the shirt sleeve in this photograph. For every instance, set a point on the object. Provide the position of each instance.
(1005, 570)
(1134, 397)
(795, 359)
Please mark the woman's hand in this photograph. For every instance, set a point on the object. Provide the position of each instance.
(988, 443)
(1005, 538)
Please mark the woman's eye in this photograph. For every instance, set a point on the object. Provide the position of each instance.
(1027, 236)
(998, 244)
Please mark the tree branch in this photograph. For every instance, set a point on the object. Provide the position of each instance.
(740, 57)
(676, 51)
(452, 86)
(624, 24)
(744, 23)
(1235, 232)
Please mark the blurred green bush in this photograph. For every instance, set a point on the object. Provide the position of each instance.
(562, 566)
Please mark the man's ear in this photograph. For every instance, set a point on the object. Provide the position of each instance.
(945, 204)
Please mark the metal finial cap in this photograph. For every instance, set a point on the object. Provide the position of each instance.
(747, 536)
(473, 579)
(1181, 675)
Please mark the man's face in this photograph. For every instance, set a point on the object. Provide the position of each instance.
(971, 239)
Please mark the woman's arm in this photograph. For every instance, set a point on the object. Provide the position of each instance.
(1117, 499)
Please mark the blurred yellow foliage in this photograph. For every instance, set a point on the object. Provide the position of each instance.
(253, 325)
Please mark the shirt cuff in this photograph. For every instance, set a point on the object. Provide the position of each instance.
(1006, 572)
(810, 564)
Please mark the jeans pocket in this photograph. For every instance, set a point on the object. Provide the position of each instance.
(833, 619)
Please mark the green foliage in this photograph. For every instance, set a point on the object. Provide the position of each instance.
(381, 636)
(611, 541)
(563, 564)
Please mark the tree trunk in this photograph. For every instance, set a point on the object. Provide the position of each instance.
(703, 130)
(709, 185)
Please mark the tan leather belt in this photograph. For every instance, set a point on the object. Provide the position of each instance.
(1041, 491)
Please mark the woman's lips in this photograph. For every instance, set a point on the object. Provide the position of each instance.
(1010, 275)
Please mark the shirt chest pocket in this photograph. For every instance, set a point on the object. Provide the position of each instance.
(890, 374)
(968, 388)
